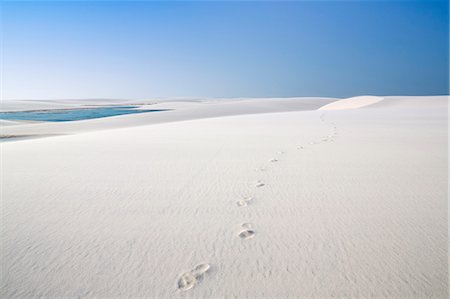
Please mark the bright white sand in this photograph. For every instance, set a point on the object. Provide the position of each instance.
(352, 103)
(187, 109)
(359, 211)
(25, 105)
(4, 122)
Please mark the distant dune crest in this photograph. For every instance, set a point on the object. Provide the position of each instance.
(352, 103)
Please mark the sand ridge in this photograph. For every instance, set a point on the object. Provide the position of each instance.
(176, 111)
(352, 103)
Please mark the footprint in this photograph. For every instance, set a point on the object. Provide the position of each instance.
(189, 279)
(186, 281)
(261, 169)
(199, 270)
(244, 202)
(299, 147)
(248, 198)
(246, 234)
(259, 184)
(273, 160)
(241, 203)
(247, 225)
(280, 152)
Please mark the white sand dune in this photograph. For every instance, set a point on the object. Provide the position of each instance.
(4, 122)
(352, 103)
(177, 111)
(435, 102)
(18, 105)
(354, 206)
(28, 105)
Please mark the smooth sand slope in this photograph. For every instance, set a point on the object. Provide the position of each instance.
(352, 103)
(29, 105)
(334, 203)
(177, 110)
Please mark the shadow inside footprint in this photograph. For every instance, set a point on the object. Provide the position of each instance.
(246, 234)
(259, 184)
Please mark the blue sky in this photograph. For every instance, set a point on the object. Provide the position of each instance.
(144, 49)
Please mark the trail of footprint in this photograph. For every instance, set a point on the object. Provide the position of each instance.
(329, 138)
(189, 279)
